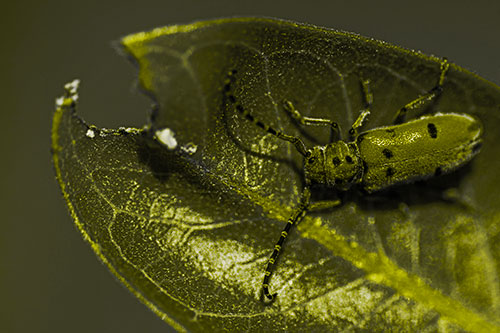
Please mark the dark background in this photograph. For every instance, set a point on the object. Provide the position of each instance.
(50, 281)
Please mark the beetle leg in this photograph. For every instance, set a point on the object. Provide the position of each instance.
(324, 204)
(427, 98)
(297, 215)
(295, 114)
(368, 101)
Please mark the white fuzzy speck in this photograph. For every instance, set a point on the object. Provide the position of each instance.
(90, 133)
(190, 148)
(72, 86)
(166, 136)
(104, 132)
(71, 95)
(128, 129)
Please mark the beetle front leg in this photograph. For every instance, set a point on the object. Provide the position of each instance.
(295, 114)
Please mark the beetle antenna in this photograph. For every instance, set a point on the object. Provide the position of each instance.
(228, 92)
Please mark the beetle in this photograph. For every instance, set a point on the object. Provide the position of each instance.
(376, 159)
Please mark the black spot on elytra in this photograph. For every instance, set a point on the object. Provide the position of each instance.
(389, 172)
(438, 171)
(433, 132)
(348, 159)
(336, 161)
(387, 153)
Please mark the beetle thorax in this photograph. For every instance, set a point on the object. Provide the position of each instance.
(337, 165)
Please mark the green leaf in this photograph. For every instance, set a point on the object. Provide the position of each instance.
(189, 230)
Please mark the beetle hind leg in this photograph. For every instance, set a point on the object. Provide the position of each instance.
(427, 98)
(368, 101)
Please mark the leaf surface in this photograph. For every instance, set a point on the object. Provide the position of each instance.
(189, 230)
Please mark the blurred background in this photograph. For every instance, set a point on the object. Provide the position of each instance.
(50, 280)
